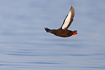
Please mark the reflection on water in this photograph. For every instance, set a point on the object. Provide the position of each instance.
(24, 44)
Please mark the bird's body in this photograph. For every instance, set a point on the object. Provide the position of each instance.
(62, 33)
(63, 30)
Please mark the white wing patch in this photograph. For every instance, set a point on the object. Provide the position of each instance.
(67, 20)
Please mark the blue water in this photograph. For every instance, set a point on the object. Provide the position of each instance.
(24, 44)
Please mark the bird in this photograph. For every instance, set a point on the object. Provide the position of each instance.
(63, 30)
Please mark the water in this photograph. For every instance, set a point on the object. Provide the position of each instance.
(24, 44)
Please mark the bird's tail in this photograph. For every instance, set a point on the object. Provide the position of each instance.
(47, 29)
(75, 31)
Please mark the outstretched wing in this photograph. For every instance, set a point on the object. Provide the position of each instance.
(69, 18)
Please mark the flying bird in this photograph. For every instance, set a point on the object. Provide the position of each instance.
(63, 30)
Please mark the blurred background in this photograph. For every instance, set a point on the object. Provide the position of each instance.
(24, 44)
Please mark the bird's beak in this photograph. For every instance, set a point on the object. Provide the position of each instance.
(74, 34)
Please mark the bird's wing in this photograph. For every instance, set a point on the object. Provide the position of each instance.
(69, 18)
